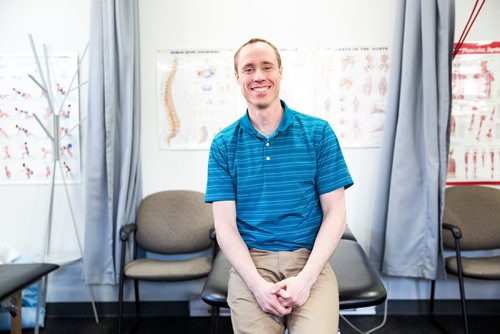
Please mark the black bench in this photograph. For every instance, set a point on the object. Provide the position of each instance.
(14, 278)
(359, 283)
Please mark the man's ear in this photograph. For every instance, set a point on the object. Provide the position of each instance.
(237, 77)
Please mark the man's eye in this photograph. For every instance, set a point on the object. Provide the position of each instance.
(248, 70)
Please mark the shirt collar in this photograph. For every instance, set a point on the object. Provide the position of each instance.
(285, 122)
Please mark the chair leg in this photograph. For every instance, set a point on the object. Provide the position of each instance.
(461, 283)
(137, 300)
(462, 298)
(215, 313)
(120, 287)
(431, 304)
(120, 303)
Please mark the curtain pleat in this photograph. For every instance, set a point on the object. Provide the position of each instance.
(113, 188)
(414, 154)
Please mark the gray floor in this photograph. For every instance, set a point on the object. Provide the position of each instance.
(182, 325)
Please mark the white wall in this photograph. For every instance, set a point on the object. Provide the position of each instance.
(63, 26)
(227, 24)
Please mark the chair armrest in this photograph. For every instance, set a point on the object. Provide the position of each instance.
(212, 234)
(215, 246)
(125, 231)
(347, 235)
(455, 231)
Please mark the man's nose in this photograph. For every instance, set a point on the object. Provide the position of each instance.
(258, 75)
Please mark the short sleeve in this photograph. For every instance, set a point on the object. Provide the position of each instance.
(332, 168)
(220, 184)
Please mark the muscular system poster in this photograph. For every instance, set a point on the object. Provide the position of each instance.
(474, 155)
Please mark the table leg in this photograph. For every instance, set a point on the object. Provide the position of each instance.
(16, 322)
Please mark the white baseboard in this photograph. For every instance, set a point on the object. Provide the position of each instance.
(359, 311)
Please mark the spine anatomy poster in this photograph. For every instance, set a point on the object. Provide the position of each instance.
(198, 95)
(195, 96)
(26, 150)
(474, 155)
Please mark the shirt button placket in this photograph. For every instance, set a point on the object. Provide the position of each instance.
(267, 152)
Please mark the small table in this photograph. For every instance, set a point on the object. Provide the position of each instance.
(14, 278)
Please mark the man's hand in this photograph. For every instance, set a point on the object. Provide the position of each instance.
(267, 298)
(293, 291)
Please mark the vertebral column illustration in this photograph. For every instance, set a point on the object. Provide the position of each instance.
(172, 117)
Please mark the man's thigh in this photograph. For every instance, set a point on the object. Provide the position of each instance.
(246, 315)
(320, 313)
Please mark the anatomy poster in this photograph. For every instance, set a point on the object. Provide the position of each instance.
(26, 150)
(474, 155)
(352, 86)
(196, 96)
(297, 87)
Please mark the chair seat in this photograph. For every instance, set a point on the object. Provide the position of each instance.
(479, 267)
(359, 283)
(171, 271)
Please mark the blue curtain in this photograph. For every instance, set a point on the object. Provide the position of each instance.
(414, 154)
(112, 162)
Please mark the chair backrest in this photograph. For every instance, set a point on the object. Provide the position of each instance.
(476, 211)
(174, 221)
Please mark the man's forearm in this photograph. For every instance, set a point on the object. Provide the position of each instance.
(237, 253)
(332, 227)
(232, 244)
(294, 291)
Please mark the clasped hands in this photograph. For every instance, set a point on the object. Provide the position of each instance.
(280, 298)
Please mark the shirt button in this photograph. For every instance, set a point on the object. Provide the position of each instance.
(267, 144)
(268, 158)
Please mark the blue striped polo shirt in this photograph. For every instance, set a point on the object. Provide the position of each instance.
(276, 181)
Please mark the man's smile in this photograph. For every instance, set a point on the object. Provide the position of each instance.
(260, 89)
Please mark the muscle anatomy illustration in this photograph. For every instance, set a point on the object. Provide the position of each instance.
(174, 124)
(474, 123)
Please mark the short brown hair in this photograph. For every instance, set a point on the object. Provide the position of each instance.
(253, 41)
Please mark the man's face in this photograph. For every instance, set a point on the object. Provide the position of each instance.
(259, 75)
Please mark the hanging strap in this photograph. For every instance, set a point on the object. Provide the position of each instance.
(470, 22)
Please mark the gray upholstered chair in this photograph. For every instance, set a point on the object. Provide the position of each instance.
(471, 221)
(168, 222)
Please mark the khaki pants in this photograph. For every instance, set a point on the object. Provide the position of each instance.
(319, 315)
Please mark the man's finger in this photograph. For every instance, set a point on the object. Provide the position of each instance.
(283, 294)
(278, 286)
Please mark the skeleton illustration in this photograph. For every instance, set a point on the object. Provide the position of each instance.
(7, 172)
(172, 117)
(452, 165)
(484, 81)
(382, 86)
(466, 161)
(384, 66)
(203, 134)
(492, 157)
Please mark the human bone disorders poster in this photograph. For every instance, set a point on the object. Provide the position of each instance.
(195, 97)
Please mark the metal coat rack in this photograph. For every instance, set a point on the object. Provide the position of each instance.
(55, 137)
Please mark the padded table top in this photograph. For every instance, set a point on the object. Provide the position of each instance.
(359, 283)
(14, 277)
